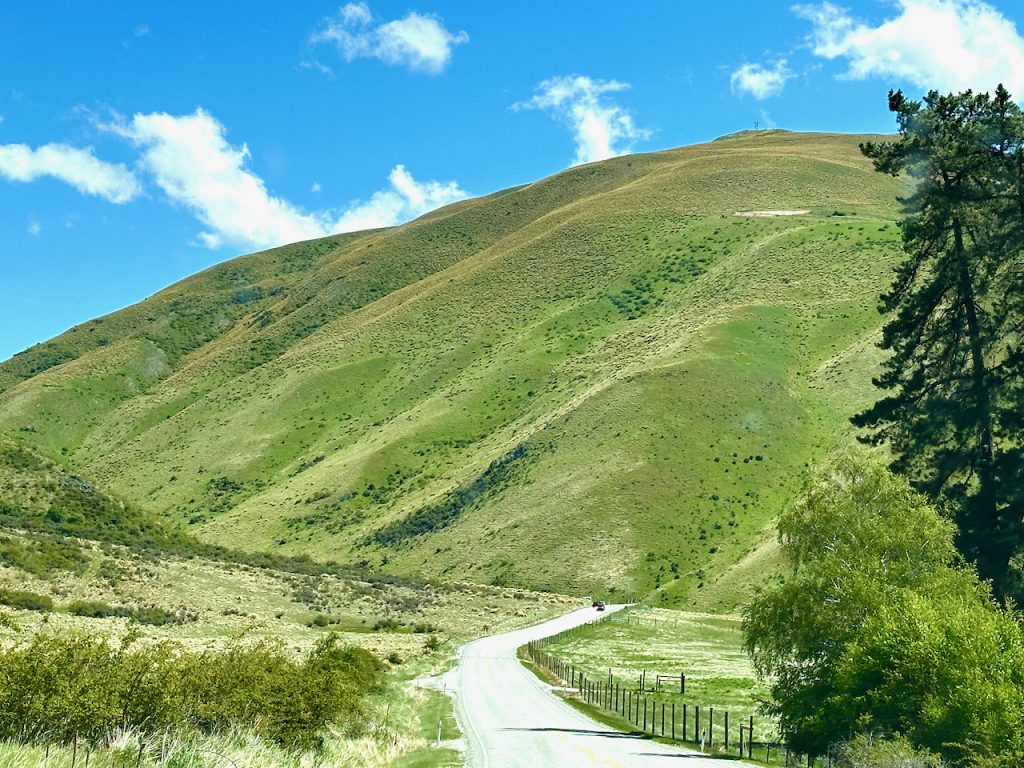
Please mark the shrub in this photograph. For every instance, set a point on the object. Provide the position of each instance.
(74, 686)
(866, 751)
(42, 556)
(147, 614)
(880, 628)
(499, 474)
(27, 601)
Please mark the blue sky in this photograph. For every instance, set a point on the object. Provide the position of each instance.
(142, 142)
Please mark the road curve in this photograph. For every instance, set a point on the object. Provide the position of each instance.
(510, 719)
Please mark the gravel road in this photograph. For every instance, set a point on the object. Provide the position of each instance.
(510, 719)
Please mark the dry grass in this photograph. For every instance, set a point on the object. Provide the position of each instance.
(618, 318)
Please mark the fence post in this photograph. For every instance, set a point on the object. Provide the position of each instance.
(726, 730)
(711, 726)
(750, 739)
(645, 715)
(663, 718)
(673, 721)
(682, 683)
(684, 721)
(696, 722)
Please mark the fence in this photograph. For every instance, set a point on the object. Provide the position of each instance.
(685, 721)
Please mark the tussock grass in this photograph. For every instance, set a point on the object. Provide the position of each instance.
(618, 320)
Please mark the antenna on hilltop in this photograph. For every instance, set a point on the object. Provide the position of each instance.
(756, 124)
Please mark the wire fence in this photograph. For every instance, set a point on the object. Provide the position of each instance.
(656, 706)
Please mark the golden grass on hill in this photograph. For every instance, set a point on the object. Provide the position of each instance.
(602, 382)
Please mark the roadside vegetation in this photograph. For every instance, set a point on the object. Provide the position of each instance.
(882, 629)
(895, 637)
(707, 649)
(72, 688)
(141, 646)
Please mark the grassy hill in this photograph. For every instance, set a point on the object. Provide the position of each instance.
(603, 380)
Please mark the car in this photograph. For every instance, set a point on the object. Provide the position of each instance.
(599, 604)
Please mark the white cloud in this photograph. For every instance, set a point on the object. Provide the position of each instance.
(420, 42)
(142, 30)
(949, 45)
(602, 129)
(191, 160)
(34, 228)
(406, 199)
(761, 81)
(315, 187)
(78, 167)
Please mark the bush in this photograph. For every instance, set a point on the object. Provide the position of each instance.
(147, 614)
(881, 628)
(73, 686)
(42, 556)
(27, 601)
(499, 474)
(866, 751)
(386, 625)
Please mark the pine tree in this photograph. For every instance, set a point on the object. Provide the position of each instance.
(953, 413)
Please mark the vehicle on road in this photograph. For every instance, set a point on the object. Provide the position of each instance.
(599, 604)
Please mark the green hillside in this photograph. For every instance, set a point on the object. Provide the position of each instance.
(606, 379)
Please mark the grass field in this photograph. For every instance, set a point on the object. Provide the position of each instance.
(707, 649)
(223, 601)
(51, 583)
(603, 382)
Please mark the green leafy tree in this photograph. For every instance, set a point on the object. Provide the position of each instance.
(953, 416)
(880, 627)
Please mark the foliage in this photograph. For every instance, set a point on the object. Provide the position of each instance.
(41, 555)
(866, 751)
(954, 376)
(27, 601)
(147, 614)
(60, 687)
(496, 477)
(880, 627)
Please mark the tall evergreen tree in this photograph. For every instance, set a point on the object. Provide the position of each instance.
(953, 413)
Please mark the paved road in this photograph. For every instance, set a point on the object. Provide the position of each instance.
(510, 719)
